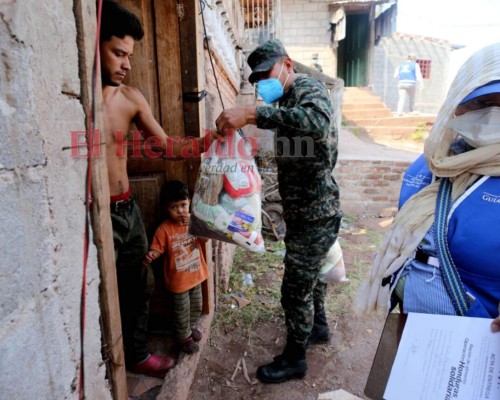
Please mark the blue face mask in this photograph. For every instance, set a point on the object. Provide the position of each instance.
(271, 89)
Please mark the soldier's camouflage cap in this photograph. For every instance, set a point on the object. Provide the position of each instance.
(264, 57)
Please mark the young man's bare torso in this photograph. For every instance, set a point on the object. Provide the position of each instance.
(124, 105)
(119, 111)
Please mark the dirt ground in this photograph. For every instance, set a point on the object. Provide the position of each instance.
(256, 331)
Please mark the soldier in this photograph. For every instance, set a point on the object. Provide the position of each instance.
(306, 155)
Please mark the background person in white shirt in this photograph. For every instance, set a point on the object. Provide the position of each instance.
(408, 75)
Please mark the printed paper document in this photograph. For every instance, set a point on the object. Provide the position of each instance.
(443, 357)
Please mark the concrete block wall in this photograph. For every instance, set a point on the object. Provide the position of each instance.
(42, 213)
(368, 186)
(305, 31)
(393, 50)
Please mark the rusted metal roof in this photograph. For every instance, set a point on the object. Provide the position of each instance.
(420, 38)
(347, 2)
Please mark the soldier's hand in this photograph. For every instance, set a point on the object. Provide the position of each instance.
(235, 118)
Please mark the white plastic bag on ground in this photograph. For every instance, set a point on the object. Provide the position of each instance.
(333, 269)
(227, 201)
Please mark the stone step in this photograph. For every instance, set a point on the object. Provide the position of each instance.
(353, 115)
(403, 140)
(413, 146)
(351, 99)
(395, 132)
(362, 100)
(410, 120)
(357, 89)
(368, 105)
(370, 118)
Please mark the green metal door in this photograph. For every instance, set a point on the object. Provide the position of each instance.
(353, 50)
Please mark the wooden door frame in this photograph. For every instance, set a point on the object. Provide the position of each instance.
(102, 232)
(192, 57)
(193, 85)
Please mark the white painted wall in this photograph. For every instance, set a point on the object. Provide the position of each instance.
(42, 213)
(460, 56)
(219, 31)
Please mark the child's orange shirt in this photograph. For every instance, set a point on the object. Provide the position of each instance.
(184, 266)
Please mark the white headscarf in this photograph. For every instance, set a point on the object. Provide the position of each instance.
(417, 215)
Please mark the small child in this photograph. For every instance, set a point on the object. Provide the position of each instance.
(184, 268)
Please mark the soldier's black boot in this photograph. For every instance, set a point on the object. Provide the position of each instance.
(320, 333)
(288, 365)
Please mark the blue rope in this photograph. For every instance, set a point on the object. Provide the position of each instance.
(452, 281)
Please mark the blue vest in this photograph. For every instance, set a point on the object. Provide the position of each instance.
(407, 72)
(416, 177)
(473, 235)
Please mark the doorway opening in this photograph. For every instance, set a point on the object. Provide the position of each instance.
(353, 50)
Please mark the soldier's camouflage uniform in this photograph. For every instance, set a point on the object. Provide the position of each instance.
(306, 156)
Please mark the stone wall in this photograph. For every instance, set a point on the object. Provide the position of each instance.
(42, 214)
(368, 186)
(305, 31)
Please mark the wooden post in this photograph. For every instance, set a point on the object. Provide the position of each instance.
(193, 79)
(178, 381)
(85, 16)
(169, 72)
(192, 65)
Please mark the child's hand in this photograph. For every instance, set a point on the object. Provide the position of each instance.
(151, 256)
(184, 219)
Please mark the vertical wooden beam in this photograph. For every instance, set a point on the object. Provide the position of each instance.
(192, 63)
(193, 67)
(169, 78)
(85, 16)
(370, 46)
(143, 74)
(208, 287)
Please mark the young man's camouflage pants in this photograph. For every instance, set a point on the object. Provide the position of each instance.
(302, 290)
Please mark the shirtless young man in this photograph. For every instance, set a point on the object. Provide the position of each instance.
(124, 105)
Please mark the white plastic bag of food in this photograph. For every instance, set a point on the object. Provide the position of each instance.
(333, 270)
(226, 204)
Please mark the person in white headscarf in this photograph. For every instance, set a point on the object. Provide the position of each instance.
(462, 153)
